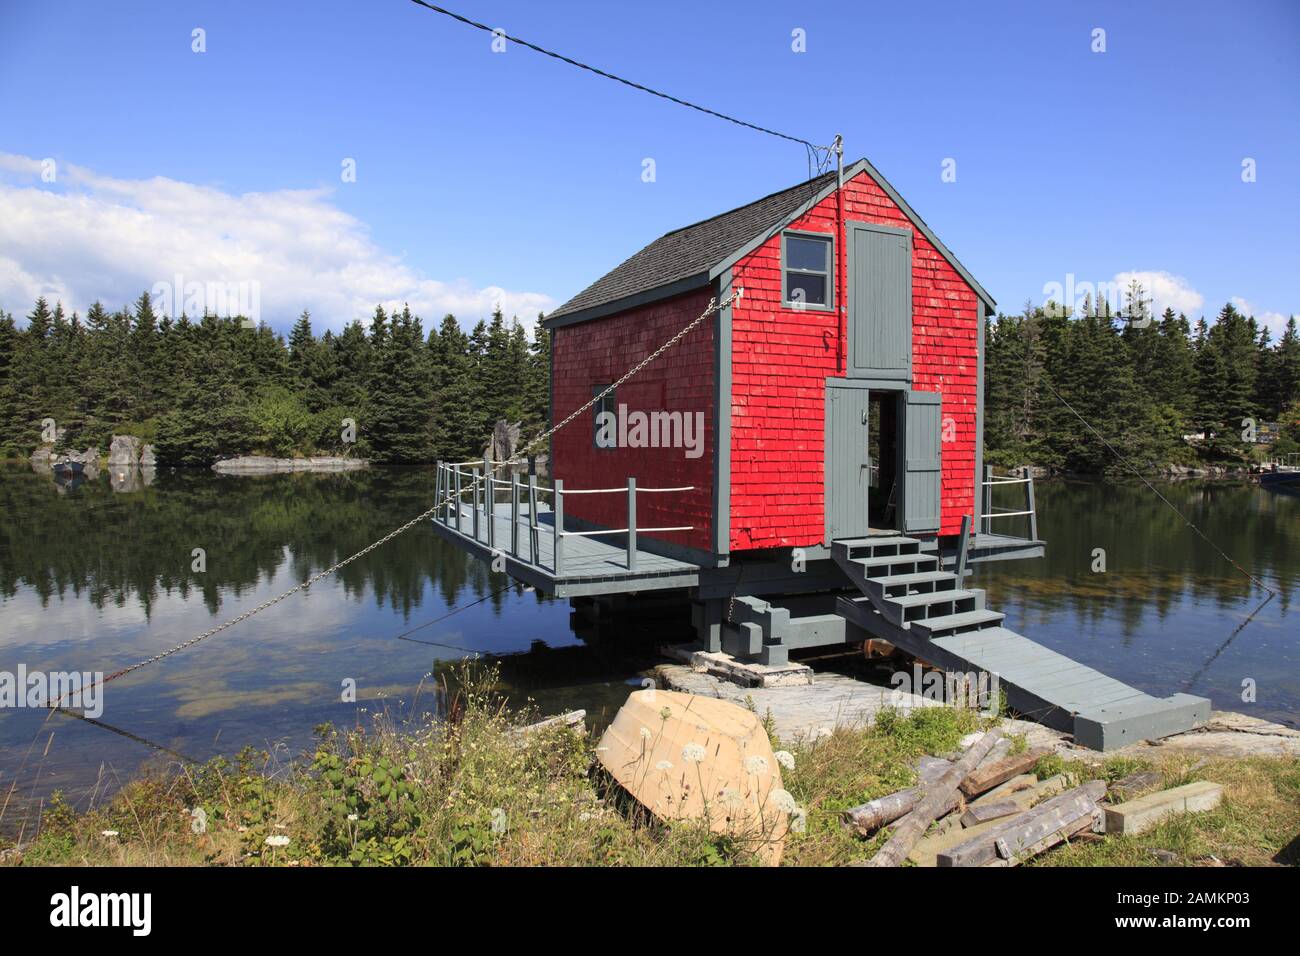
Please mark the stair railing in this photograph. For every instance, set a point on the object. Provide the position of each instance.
(989, 511)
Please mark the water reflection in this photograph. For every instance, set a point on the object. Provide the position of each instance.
(98, 572)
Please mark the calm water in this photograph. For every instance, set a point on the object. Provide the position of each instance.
(93, 577)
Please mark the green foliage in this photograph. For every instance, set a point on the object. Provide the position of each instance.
(214, 387)
(1143, 385)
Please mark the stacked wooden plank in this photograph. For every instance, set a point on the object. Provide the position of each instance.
(992, 812)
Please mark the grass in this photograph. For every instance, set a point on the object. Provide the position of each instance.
(475, 791)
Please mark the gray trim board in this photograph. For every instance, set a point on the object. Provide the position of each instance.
(979, 414)
(722, 396)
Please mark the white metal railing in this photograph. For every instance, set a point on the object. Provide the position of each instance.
(987, 510)
(485, 486)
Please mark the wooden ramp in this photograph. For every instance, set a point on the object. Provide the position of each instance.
(911, 602)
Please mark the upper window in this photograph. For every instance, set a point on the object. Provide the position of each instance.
(806, 271)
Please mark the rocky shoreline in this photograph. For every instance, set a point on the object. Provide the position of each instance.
(262, 465)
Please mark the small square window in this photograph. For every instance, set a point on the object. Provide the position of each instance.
(806, 265)
(604, 413)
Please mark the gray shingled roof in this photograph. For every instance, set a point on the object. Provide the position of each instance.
(694, 249)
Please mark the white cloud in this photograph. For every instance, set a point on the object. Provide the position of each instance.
(1275, 322)
(88, 236)
(1166, 291)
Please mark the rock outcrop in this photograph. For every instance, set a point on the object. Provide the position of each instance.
(125, 450)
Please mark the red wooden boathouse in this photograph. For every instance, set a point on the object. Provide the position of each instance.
(805, 464)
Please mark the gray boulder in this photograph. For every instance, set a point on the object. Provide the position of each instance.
(147, 459)
(125, 450)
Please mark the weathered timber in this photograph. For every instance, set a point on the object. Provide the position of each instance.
(1140, 815)
(985, 778)
(935, 842)
(1135, 785)
(874, 814)
(913, 826)
(989, 811)
(1026, 829)
(1080, 827)
(1021, 781)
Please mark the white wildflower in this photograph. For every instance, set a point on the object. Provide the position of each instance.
(645, 733)
(785, 759)
(821, 732)
(110, 834)
(664, 765)
(756, 765)
(352, 818)
(277, 839)
(783, 801)
(731, 797)
(693, 753)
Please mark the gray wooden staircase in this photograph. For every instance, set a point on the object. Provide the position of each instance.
(910, 601)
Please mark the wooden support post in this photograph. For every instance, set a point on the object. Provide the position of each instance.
(1029, 506)
(514, 513)
(631, 524)
(963, 550)
(534, 545)
(559, 526)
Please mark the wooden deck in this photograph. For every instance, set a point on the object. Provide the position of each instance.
(590, 564)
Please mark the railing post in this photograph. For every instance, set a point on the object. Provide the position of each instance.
(631, 524)
(963, 550)
(1030, 506)
(986, 499)
(478, 483)
(490, 502)
(534, 545)
(456, 470)
(514, 513)
(558, 485)
(437, 489)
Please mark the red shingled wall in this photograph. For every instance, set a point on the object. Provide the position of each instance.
(597, 353)
(783, 357)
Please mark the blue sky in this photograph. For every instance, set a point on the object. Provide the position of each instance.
(487, 177)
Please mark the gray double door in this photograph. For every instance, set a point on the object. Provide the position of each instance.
(880, 353)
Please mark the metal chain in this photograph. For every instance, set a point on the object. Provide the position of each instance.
(712, 307)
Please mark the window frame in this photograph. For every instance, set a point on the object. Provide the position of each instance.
(786, 269)
(603, 406)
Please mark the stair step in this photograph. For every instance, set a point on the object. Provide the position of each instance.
(967, 620)
(887, 561)
(934, 597)
(878, 546)
(909, 580)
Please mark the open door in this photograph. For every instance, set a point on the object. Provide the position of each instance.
(848, 464)
(922, 484)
